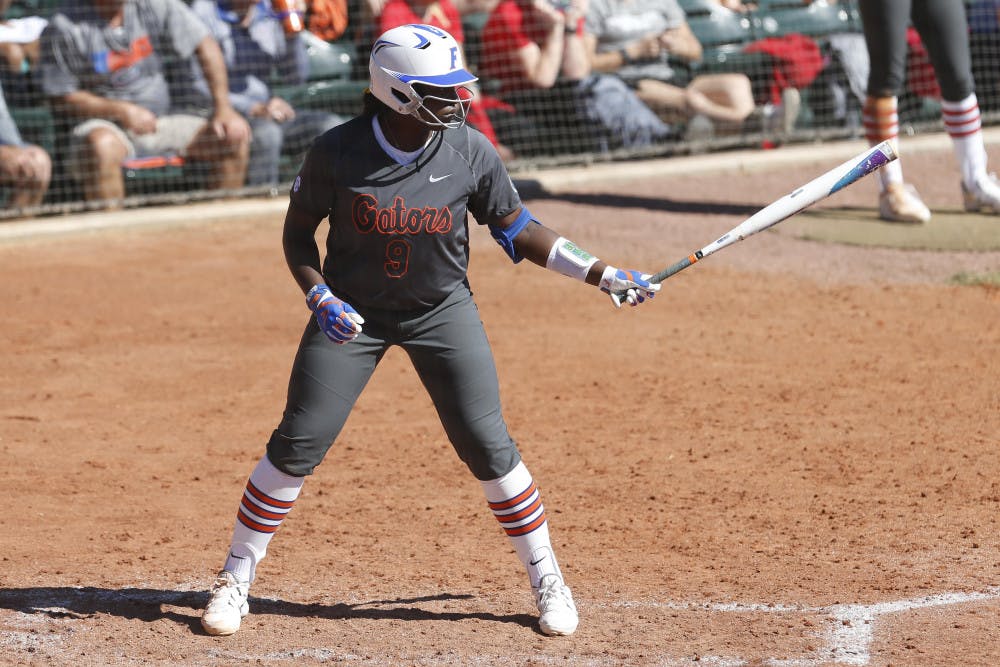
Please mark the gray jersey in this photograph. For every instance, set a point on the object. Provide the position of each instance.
(80, 51)
(399, 235)
(616, 23)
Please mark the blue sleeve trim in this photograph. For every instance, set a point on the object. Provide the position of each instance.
(505, 237)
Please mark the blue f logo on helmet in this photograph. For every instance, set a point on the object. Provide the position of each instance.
(417, 63)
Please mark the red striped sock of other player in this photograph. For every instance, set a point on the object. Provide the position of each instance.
(268, 497)
(880, 118)
(980, 189)
(964, 125)
(898, 201)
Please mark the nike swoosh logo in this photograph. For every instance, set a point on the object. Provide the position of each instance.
(536, 562)
(435, 179)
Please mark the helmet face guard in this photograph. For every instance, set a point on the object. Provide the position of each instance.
(417, 70)
(442, 107)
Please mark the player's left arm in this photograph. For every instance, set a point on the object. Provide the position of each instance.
(523, 237)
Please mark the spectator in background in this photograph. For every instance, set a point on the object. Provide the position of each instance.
(25, 169)
(327, 19)
(255, 48)
(533, 44)
(984, 44)
(466, 7)
(638, 39)
(19, 55)
(19, 39)
(442, 14)
(536, 51)
(945, 33)
(101, 63)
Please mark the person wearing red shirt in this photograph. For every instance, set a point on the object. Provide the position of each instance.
(442, 14)
(536, 50)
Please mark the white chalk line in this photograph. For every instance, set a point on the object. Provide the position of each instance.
(846, 633)
(849, 629)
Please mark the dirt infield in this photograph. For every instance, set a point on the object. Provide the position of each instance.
(789, 458)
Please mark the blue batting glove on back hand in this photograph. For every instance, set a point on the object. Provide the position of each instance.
(338, 320)
(625, 285)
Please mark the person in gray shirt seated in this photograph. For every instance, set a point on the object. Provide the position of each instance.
(25, 169)
(256, 48)
(642, 41)
(102, 66)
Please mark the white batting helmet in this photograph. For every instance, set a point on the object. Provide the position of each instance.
(426, 57)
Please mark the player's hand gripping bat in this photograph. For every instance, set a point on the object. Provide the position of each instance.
(819, 188)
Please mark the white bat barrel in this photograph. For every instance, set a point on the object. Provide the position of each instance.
(819, 188)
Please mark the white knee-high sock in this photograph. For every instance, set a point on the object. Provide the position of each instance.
(964, 125)
(268, 497)
(515, 502)
(880, 118)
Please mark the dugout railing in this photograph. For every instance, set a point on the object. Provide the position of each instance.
(766, 42)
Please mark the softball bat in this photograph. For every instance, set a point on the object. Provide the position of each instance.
(819, 188)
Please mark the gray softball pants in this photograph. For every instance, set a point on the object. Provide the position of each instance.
(944, 31)
(449, 350)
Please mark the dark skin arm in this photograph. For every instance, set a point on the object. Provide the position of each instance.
(535, 241)
(298, 239)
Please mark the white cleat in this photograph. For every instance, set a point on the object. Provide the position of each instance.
(901, 203)
(555, 604)
(227, 605)
(984, 194)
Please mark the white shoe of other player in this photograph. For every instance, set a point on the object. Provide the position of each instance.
(984, 194)
(901, 203)
(227, 605)
(555, 604)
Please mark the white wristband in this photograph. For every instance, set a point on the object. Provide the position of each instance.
(567, 258)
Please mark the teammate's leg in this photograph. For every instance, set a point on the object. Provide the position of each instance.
(326, 380)
(885, 23)
(451, 354)
(944, 31)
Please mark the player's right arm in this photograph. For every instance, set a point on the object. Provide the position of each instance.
(298, 239)
(336, 318)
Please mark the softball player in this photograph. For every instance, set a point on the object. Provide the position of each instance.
(397, 183)
(945, 33)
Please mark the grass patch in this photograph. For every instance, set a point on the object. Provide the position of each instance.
(980, 279)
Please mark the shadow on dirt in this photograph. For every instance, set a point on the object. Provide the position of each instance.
(618, 200)
(146, 604)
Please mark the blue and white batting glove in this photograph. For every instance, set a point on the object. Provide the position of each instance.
(337, 319)
(625, 285)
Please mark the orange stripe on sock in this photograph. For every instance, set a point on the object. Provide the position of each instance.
(253, 525)
(264, 498)
(526, 528)
(520, 498)
(523, 514)
(880, 118)
(262, 513)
